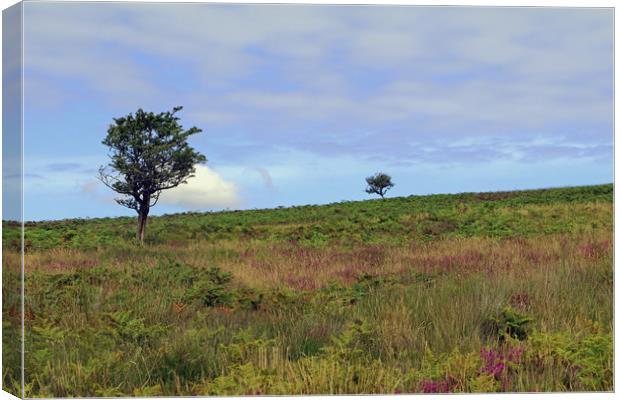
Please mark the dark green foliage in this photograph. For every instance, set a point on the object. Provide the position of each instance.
(212, 289)
(127, 328)
(379, 184)
(508, 323)
(340, 295)
(149, 154)
(209, 287)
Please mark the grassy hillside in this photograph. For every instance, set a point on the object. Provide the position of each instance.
(480, 292)
(389, 221)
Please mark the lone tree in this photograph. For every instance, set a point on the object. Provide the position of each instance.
(148, 154)
(379, 183)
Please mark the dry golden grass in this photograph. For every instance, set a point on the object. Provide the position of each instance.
(263, 265)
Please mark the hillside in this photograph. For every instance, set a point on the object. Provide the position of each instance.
(473, 292)
(393, 220)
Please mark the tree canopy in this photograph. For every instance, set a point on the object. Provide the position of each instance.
(149, 153)
(379, 184)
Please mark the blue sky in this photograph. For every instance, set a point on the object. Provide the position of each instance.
(300, 103)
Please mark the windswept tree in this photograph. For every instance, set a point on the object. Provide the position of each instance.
(379, 184)
(149, 153)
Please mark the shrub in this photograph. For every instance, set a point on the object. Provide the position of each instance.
(509, 323)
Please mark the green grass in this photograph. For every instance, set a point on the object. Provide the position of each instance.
(472, 292)
(392, 221)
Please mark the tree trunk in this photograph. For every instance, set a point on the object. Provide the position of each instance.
(143, 214)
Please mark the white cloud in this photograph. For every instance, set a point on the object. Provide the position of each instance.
(206, 189)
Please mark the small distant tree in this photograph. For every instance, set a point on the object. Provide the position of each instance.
(379, 184)
(149, 153)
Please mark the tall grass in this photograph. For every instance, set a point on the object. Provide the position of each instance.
(447, 310)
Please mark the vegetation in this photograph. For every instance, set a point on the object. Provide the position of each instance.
(475, 292)
(149, 154)
(379, 184)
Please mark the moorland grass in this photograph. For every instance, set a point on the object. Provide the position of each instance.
(449, 293)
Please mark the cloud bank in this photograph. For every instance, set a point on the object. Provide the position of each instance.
(267, 75)
(206, 189)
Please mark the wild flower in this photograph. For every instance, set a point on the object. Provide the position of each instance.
(497, 363)
(493, 362)
(594, 249)
(437, 386)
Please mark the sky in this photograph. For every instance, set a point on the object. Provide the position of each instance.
(298, 104)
